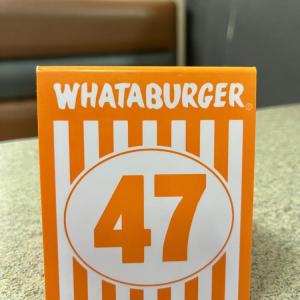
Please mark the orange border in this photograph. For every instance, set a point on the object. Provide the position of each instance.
(140, 150)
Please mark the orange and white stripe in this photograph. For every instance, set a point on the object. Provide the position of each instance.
(208, 139)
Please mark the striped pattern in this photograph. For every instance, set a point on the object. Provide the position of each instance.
(95, 139)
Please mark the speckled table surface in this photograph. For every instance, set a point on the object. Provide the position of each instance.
(276, 230)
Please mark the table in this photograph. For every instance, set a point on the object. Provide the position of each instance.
(276, 229)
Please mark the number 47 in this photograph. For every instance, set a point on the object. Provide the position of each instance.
(127, 202)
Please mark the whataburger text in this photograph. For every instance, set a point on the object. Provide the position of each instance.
(151, 95)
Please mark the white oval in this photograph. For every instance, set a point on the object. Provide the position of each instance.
(209, 233)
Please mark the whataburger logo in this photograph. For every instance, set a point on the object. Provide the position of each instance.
(171, 96)
(87, 116)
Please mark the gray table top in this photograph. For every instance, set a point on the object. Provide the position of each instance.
(276, 229)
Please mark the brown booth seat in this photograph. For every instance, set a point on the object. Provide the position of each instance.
(43, 28)
(98, 31)
(18, 119)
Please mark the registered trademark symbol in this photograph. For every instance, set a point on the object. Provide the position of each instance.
(249, 106)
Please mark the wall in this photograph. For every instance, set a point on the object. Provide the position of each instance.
(263, 33)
